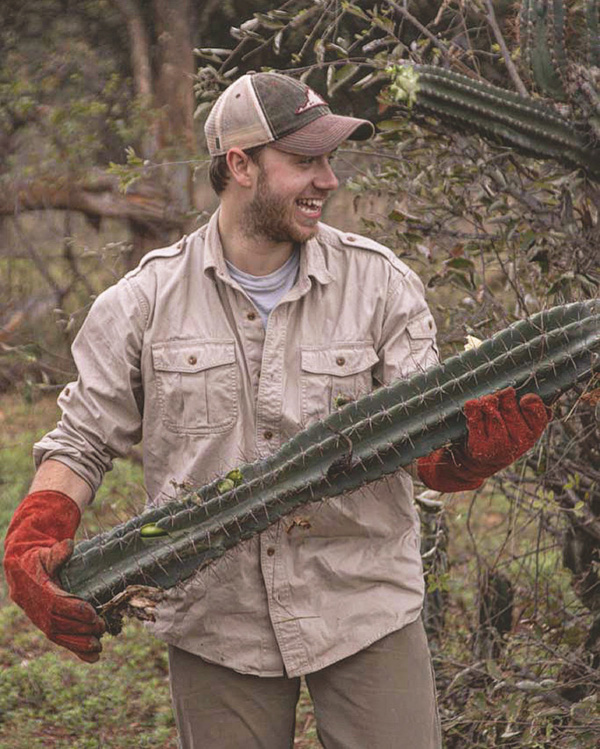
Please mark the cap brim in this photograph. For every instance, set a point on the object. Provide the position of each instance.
(324, 135)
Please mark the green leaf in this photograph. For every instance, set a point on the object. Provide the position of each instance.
(336, 77)
(268, 21)
(399, 215)
(460, 263)
(387, 126)
(355, 11)
(462, 280)
(132, 158)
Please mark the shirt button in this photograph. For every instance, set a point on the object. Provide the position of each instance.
(268, 434)
(192, 360)
(270, 551)
(340, 361)
(251, 315)
(350, 238)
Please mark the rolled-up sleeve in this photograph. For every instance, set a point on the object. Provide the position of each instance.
(102, 410)
(408, 337)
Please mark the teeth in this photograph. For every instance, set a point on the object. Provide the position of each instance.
(311, 204)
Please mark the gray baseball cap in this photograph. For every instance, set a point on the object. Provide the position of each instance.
(261, 108)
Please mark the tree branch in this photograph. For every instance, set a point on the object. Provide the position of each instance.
(510, 66)
(96, 196)
(432, 37)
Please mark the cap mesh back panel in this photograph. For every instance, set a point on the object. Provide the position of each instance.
(236, 120)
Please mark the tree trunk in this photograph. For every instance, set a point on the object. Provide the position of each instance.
(174, 82)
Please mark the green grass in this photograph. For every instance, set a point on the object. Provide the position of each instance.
(49, 699)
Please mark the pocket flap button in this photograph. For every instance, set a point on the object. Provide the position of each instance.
(192, 360)
(340, 361)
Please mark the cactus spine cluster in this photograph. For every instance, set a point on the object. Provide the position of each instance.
(361, 442)
(569, 134)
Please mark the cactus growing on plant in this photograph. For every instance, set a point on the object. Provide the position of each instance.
(569, 134)
(361, 442)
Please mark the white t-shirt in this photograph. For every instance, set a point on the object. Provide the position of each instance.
(266, 291)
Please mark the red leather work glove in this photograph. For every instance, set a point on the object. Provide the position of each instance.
(499, 431)
(38, 542)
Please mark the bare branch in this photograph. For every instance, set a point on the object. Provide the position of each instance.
(510, 66)
(96, 195)
(432, 38)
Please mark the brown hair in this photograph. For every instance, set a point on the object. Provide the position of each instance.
(218, 171)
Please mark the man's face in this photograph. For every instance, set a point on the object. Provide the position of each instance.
(288, 196)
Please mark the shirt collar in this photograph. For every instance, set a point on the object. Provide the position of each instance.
(213, 249)
(312, 259)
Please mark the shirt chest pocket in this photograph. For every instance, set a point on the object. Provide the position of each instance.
(332, 375)
(196, 383)
(422, 351)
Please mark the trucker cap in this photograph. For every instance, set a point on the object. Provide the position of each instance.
(261, 108)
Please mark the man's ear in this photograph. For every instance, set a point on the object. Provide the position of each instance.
(240, 165)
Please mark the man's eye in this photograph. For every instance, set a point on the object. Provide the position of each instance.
(311, 159)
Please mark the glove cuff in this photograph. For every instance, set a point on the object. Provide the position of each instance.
(41, 519)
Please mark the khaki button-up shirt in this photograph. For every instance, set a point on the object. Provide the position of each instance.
(176, 352)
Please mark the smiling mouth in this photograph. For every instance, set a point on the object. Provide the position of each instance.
(310, 206)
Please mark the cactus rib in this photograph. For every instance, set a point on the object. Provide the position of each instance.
(549, 58)
(542, 24)
(592, 18)
(362, 442)
(526, 34)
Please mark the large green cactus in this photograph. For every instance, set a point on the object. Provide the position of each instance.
(360, 443)
(543, 52)
(564, 126)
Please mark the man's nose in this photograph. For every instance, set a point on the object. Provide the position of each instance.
(325, 178)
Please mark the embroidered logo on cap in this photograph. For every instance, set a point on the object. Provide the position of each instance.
(312, 100)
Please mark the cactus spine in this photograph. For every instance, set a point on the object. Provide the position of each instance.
(362, 442)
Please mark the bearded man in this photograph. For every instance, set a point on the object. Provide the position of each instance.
(216, 350)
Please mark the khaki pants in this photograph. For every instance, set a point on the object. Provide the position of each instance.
(381, 698)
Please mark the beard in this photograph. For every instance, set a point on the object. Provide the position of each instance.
(269, 216)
